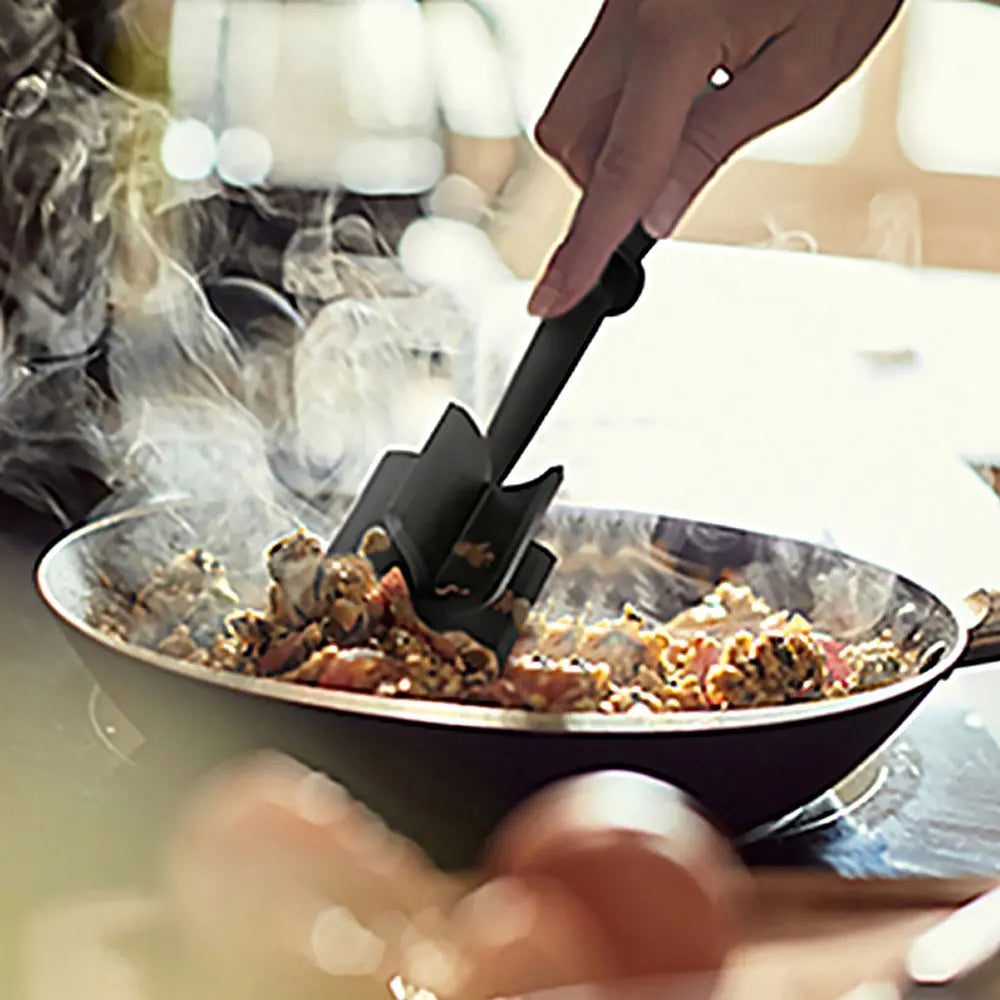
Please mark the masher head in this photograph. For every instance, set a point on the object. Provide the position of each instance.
(462, 541)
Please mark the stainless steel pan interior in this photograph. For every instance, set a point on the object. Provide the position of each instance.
(446, 772)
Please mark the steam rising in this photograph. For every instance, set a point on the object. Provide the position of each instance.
(115, 368)
(113, 361)
(56, 145)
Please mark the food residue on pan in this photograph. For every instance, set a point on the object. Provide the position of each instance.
(331, 622)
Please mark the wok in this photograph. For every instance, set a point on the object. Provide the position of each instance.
(444, 774)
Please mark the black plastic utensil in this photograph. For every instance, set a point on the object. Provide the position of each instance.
(463, 539)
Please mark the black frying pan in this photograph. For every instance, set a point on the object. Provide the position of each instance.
(445, 773)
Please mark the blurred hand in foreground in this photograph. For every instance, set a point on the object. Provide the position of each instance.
(625, 125)
(279, 884)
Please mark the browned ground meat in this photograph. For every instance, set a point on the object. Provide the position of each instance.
(874, 663)
(725, 611)
(768, 669)
(331, 622)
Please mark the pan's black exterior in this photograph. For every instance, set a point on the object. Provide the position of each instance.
(447, 787)
(447, 783)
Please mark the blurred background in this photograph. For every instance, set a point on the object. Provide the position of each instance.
(425, 111)
(831, 299)
(817, 353)
(850, 256)
(396, 97)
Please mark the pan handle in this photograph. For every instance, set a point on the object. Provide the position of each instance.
(984, 631)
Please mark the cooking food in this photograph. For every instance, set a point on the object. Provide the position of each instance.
(330, 622)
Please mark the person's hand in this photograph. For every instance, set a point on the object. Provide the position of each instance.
(278, 883)
(624, 123)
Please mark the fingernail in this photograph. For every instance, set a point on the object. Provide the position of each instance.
(341, 946)
(498, 914)
(435, 967)
(321, 801)
(545, 300)
(662, 218)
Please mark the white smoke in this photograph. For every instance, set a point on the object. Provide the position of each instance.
(113, 361)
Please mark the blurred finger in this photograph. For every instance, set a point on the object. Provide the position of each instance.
(507, 937)
(671, 66)
(785, 80)
(658, 879)
(285, 826)
(276, 871)
(681, 987)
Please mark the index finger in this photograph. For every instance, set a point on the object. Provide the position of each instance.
(670, 69)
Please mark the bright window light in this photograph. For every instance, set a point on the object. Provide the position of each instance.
(823, 134)
(188, 150)
(540, 39)
(473, 85)
(387, 69)
(376, 166)
(951, 89)
(193, 58)
(244, 157)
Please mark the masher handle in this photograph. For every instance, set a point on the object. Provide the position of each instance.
(556, 350)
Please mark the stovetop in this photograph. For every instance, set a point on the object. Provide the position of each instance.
(927, 804)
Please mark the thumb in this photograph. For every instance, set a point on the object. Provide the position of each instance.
(779, 84)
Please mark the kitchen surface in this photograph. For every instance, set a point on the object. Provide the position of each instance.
(275, 288)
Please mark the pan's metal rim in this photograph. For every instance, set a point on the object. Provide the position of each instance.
(455, 715)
